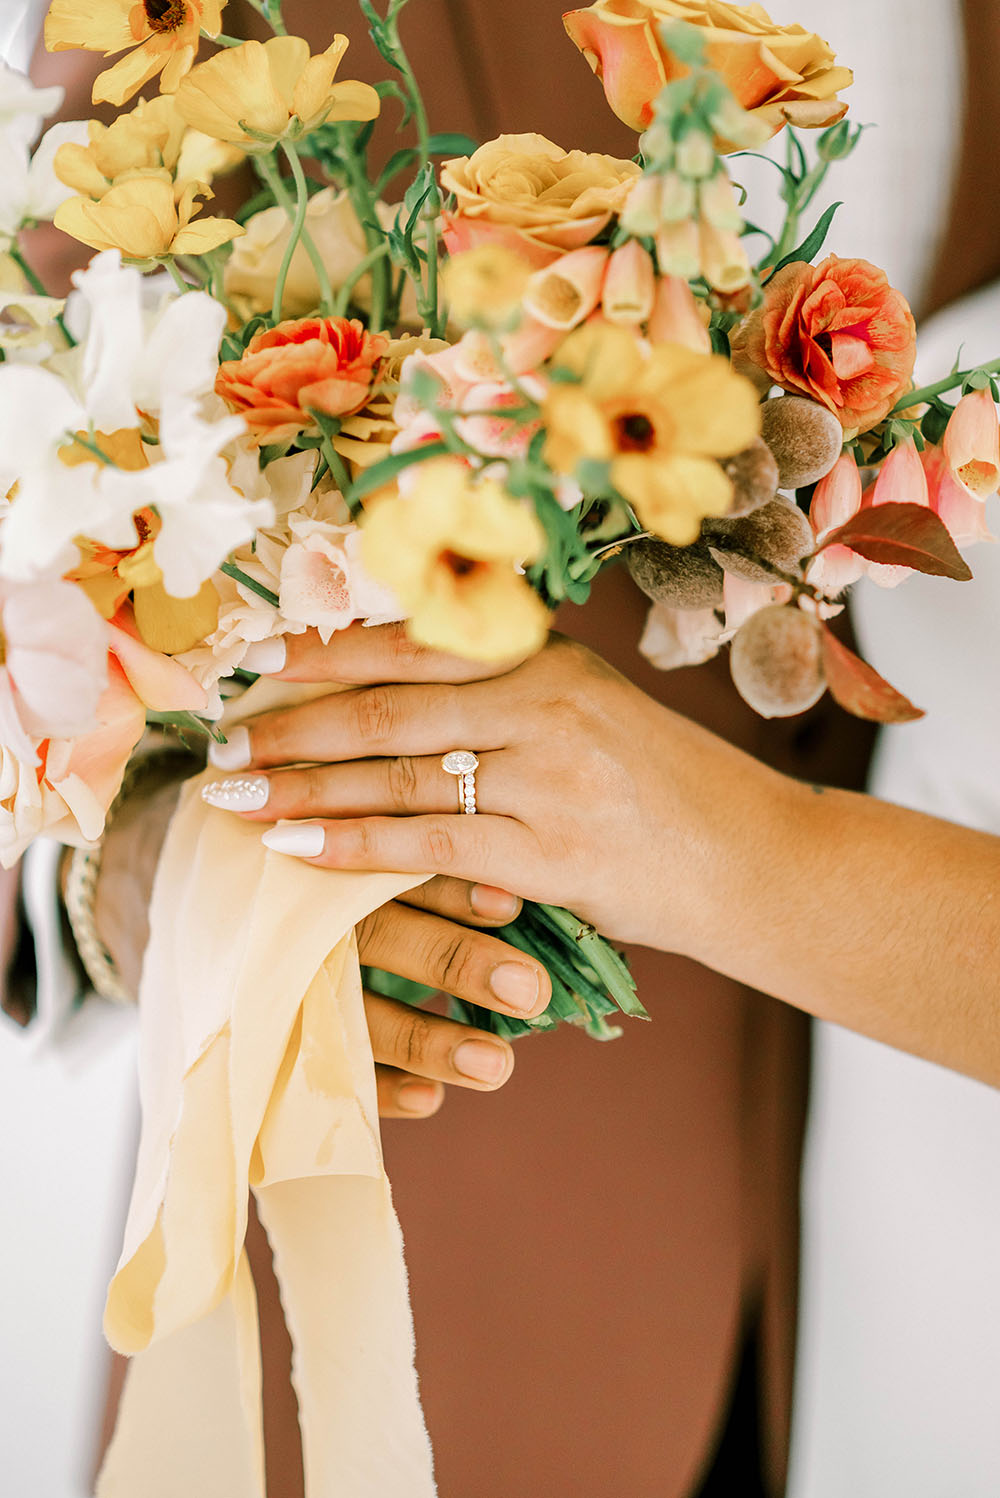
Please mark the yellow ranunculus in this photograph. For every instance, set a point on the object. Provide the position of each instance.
(163, 34)
(141, 218)
(450, 549)
(261, 92)
(660, 417)
(781, 74)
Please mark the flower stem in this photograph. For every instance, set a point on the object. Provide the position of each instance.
(37, 286)
(336, 465)
(222, 40)
(361, 269)
(950, 382)
(271, 11)
(239, 576)
(363, 200)
(269, 171)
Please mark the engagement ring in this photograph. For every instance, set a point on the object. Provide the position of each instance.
(463, 764)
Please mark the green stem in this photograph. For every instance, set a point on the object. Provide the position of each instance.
(92, 448)
(363, 199)
(271, 11)
(437, 318)
(361, 269)
(38, 288)
(222, 40)
(336, 465)
(298, 224)
(239, 576)
(182, 285)
(940, 387)
(269, 171)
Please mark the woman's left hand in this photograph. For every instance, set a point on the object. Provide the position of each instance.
(590, 794)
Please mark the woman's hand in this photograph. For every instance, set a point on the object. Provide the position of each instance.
(590, 794)
(428, 936)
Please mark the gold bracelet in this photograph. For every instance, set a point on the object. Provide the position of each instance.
(162, 763)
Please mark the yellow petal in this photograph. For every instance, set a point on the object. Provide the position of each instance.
(205, 234)
(75, 167)
(116, 85)
(173, 625)
(97, 26)
(349, 100)
(672, 495)
(288, 59)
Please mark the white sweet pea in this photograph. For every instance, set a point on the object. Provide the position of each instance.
(134, 356)
(23, 107)
(30, 191)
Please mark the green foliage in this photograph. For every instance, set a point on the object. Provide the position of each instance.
(813, 242)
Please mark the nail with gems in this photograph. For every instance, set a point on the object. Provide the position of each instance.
(242, 793)
(463, 764)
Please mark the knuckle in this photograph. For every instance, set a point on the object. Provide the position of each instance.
(454, 961)
(412, 1040)
(377, 713)
(438, 845)
(401, 779)
(408, 651)
(368, 931)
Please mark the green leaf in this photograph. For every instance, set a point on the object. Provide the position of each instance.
(813, 242)
(386, 469)
(452, 143)
(239, 576)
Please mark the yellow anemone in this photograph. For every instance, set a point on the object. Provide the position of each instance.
(261, 92)
(450, 550)
(141, 218)
(163, 36)
(152, 140)
(659, 417)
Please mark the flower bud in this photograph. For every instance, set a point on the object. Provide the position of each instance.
(971, 444)
(696, 155)
(564, 293)
(838, 142)
(717, 204)
(724, 262)
(777, 535)
(754, 476)
(676, 316)
(657, 146)
(777, 662)
(642, 213)
(805, 438)
(683, 577)
(736, 126)
(678, 250)
(630, 284)
(677, 199)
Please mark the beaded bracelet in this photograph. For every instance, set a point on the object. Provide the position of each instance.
(161, 763)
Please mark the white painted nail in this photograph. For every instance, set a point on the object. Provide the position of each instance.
(242, 793)
(234, 754)
(265, 656)
(299, 839)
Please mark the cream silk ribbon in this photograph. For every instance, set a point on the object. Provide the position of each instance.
(256, 1074)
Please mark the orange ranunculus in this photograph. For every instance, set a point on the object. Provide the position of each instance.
(782, 74)
(310, 364)
(525, 193)
(164, 36)
(837, 332)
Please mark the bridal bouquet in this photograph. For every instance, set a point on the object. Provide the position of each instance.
(447, 391)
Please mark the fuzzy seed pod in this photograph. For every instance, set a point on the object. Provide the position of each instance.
(684, 577)
(805, 438)
(754, 474)
(778, 533)
(777, 662)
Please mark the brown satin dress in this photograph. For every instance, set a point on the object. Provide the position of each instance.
(587, 1247)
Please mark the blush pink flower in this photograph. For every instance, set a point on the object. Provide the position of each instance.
(53, 663)
(971, 444)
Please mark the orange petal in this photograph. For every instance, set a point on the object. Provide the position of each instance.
(157, 680)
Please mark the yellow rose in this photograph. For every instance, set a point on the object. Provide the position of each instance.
(532, 197)
(333, 226)
(262, 92)
(781, 74)
(450, 549)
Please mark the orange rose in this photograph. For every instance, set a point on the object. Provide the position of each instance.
(311, 364)
(782, 74)
(532, 197)
(837, 332)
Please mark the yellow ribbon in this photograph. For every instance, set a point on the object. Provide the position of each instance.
(256, 1074)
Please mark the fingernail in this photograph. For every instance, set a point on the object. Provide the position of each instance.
(244, 793)
(234, 754)
(516, 985)
(480, 1061)
(493, 904)
(265, 656)
(299, 839)
(418, 1097)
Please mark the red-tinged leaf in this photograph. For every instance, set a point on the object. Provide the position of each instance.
(903, 535)
(860, 689)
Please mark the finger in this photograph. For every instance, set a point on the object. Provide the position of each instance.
(362, 722)
(401, 785)
(456, 959)
(458, 900)
(435, 1048)
(362, 656)
(402, 1095)
(486, 849)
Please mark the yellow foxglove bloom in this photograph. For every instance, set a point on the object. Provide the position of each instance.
(141, 218)
(450, 549)
(162, 35)
(262, 92)
(661, 417)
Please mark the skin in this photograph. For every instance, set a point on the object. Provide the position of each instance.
(430, 937)
(594, 796)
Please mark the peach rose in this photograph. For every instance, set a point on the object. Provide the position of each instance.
(836, 332)
(310, 364)
(782, 74)
(525, 193)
